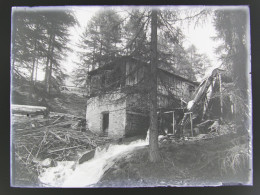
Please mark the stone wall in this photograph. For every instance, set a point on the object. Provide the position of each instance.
(96, 106)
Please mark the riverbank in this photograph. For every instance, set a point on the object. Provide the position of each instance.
(57, 143)
(221, 160)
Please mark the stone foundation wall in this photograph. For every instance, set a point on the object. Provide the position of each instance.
(96, 106)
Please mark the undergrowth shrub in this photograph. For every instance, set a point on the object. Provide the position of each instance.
(236, 159)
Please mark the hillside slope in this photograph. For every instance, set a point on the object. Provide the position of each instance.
(69, 103)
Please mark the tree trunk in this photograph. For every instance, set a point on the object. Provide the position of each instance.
(241, 81)
(33, 65)
(93, 55)
(36, 72)
(28, 110)
(220, 97)
(32, 74)
(33, 68)
(50, 67)
(47, 63)
(100, 55)
(31, 81)
(46, 73)
(154, 155)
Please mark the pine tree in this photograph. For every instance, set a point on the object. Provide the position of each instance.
(39, 35)
(27, 41)
(57, 25)
(232, 28)
(100, 43)
(102, 36)
(135, 33)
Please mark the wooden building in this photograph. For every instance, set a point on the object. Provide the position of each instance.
(117, 105)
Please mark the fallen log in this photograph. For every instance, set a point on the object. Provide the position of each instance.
(29, 110)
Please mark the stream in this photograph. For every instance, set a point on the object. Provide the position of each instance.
(73, 174)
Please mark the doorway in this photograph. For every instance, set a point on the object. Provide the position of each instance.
(105, 123)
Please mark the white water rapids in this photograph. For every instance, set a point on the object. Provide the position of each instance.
(71, 174)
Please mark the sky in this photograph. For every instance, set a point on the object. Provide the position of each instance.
(200, 36)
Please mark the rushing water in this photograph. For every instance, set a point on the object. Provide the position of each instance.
(72, 174)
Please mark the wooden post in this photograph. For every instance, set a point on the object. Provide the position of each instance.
(173, 122)
(221, 98)
(191, 124)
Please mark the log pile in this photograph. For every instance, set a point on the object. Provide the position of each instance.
(59, 138)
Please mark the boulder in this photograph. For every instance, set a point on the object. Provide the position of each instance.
(47, 163)
(87, 156)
